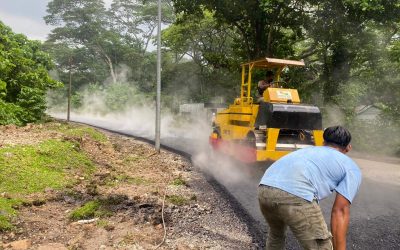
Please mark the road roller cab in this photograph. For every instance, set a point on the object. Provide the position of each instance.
(270, 126)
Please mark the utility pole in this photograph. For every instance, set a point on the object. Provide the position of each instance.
(69, 89)
(158, 101)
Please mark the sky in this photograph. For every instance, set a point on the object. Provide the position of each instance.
(26, 17)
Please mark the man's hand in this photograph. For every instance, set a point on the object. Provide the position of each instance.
(340, 217)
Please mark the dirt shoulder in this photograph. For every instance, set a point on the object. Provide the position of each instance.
(126, 191)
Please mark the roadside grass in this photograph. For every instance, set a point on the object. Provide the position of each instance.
(177, 200)
(79, 131)
(102, 223)
(124, 178)
(7, 212)
(132, 159)
(137, 180)
(179, 181)
(193, 197)
(98, 208)
(89, 210)
(27, 169)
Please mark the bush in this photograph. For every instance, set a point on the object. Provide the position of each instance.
(24, 78)
(10, 113)
(118, 96)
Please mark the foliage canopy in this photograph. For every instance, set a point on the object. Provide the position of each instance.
(24, 78)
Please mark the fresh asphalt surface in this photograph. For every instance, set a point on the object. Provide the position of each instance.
(375, 213)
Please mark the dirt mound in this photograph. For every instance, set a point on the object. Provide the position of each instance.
(131, 191)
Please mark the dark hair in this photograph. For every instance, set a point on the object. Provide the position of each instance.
(338, 136)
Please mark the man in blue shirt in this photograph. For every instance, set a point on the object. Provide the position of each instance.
(292, 187)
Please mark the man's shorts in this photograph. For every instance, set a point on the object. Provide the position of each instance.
(304, 218)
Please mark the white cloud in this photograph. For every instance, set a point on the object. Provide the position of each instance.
(30, 27)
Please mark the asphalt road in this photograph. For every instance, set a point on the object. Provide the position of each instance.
(375, 213)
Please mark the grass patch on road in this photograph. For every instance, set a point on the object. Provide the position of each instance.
(27, 169)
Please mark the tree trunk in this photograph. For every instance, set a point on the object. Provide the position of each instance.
(148, 39)
(108, 60)
(269, 42)
(110, 65)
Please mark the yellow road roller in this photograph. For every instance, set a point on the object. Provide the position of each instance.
(270, 126)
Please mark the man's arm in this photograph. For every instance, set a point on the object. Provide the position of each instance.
(340, 217)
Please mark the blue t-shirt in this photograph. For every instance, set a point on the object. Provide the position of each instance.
(314, 173)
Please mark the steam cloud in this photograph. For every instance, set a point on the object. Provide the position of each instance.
(187, 133)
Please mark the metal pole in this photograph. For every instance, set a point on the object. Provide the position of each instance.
(69, 90)
(158, 102)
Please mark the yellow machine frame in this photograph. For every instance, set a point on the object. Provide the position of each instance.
(267, 63)
(239, 119)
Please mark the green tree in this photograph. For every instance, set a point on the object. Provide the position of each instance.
(203, 39)
(100, 40)
(24, 78)
(344, 36)
(80, 63)
(202, 52)
(266, 27)
(137, 20)
(335, 37)
(86, 24)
